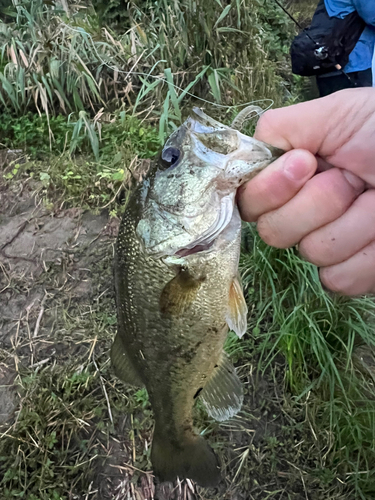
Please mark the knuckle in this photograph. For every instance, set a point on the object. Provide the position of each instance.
(312, 250)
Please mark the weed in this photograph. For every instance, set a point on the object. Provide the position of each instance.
(320, 336)
(31, 133)
(84, 178)
(68, 403)
(52, 64)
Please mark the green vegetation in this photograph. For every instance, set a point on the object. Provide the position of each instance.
(323, 338)
(55, 63)
(72, 173)
(89, 94)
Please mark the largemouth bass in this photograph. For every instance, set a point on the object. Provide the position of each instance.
(178, 291)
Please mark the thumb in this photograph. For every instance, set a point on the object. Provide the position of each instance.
(276, 185)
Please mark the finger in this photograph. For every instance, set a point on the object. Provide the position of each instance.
(275, 185)
(344, 237)
(323, 126)
(287, 128)
(355, 276)
(322, 200)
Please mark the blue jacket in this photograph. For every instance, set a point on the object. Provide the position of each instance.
(361, 56)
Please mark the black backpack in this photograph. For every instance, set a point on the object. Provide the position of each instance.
(326, 44)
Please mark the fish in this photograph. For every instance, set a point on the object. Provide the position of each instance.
(178, 291)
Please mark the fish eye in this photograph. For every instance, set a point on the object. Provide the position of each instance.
(169, 157)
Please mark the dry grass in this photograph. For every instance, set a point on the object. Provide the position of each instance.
(222, 53)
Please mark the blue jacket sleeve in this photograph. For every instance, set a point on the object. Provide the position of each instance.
(366, 9)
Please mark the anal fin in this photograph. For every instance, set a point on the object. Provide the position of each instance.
(237, 309)
(223, 394)
(123, 365)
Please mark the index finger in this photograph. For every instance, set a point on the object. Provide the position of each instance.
(339, 128)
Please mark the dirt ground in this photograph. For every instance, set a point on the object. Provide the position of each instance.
(51, 263)
(43, 255)
(57, 309)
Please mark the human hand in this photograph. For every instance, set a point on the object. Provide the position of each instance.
(321, 194)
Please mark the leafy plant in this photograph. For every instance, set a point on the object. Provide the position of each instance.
(224, 52)
(52, 65)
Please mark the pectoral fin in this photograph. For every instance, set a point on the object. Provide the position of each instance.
(237, 309)
(178, 295)
(223, 394)
(123, 365)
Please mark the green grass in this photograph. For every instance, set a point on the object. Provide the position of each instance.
(71, 173)
(166, 52)
(63, 428)
(117, 130)
(321, 337)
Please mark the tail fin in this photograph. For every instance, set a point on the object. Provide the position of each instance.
(191, 459)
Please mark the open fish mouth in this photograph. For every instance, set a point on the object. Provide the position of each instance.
(184, 252)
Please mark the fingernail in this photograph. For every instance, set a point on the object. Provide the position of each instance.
(298, 165)
(354, 181)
